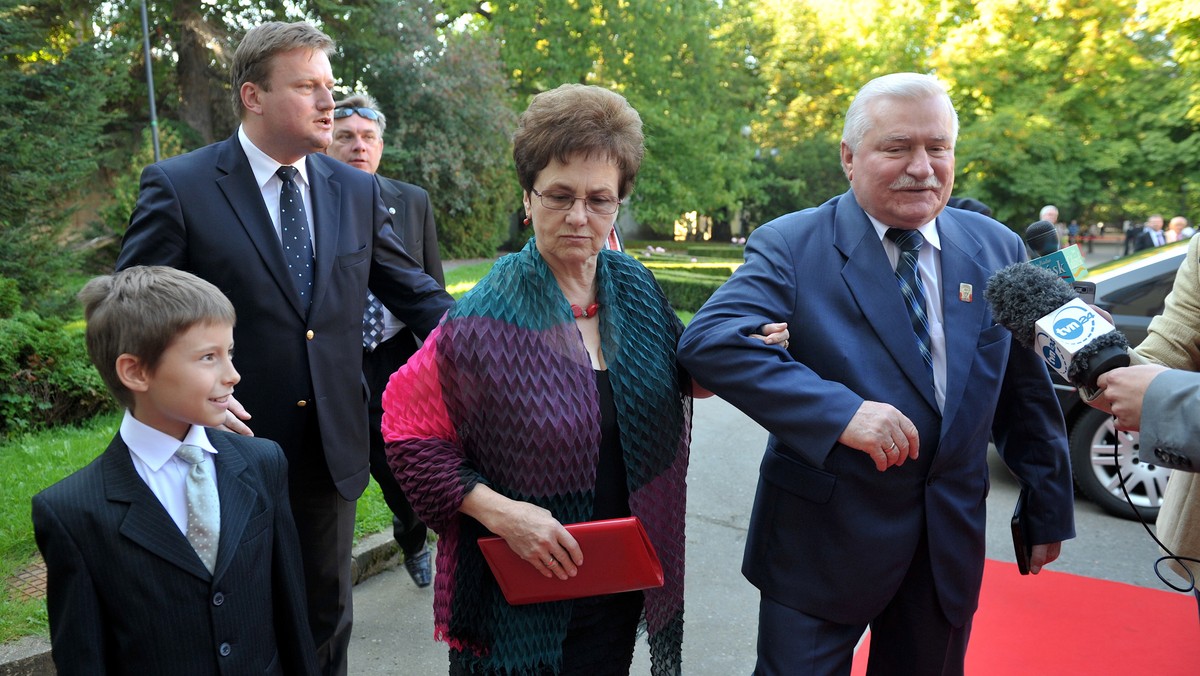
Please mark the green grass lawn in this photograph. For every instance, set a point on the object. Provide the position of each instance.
(30, 463)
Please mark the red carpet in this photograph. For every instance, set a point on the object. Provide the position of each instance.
(1058, 623)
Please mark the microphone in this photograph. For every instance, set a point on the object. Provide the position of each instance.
(1042, 238)
(1044, 314)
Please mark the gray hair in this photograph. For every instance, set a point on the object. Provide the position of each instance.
(911, 86)
(364, 101)
(1046, 209)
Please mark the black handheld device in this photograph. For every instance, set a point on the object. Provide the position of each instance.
(1024, 550)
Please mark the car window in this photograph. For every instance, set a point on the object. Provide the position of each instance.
(1133, 306)
(1143, 299)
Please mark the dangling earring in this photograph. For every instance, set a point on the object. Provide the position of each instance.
(526, 221)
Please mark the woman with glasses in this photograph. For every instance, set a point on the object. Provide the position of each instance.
(550, 395)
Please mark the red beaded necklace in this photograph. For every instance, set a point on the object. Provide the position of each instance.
(585, 313)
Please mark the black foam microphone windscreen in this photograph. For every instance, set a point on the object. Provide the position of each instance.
(1021, 294)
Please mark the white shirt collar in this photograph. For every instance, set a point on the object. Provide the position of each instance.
(929, 231)
(264, 167)
(155, 448)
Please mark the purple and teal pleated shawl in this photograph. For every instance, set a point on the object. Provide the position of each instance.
(502, 393)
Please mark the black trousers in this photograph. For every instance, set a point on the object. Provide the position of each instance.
(325, 525)
(378, 367)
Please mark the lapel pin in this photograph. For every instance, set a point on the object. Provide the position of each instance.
(965, 293)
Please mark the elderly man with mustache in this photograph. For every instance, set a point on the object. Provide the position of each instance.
(870, 507)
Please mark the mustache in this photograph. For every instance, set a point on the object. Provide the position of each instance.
(908, 182)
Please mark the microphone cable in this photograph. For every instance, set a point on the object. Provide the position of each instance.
(1170, 555)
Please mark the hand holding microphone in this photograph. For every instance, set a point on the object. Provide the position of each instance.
(1125, 389)
(1045, 315)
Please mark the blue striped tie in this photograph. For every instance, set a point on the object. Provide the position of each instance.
(910, 242)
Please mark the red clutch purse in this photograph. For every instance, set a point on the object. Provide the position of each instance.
(617, 557)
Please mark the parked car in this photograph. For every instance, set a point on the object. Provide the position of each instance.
(1132, 289)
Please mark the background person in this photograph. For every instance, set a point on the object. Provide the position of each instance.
(224, 212)
(358, 128)
(1178, 229)
(1151, 235)
(550, 396)
(141, 579)
(1050, 213)
(870, 506)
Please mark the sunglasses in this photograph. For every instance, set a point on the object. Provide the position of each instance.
(347, 111)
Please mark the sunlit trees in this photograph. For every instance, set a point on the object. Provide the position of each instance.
(687, 67)
(448, 108)
(55, 90)
(1089, 104)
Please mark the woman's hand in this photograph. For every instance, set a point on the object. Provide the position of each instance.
(774, 334)
(530, 531)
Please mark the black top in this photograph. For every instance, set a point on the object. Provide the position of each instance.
(612, 489)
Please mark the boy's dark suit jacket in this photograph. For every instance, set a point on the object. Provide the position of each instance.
(128, 595)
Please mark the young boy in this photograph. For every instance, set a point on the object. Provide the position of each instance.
(151, 568)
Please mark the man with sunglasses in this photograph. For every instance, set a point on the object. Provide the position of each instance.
(358, 128)
(294, 238)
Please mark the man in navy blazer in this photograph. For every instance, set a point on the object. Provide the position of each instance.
(214, 212)
(358, 141)
(870, 506)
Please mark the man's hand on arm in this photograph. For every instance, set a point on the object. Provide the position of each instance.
(234, 417)
(882, 432)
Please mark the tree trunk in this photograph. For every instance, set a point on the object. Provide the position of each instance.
(204, 104)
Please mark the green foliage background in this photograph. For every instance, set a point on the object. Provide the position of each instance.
(1093, 105)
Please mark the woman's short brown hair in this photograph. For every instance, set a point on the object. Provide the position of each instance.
(578, 119)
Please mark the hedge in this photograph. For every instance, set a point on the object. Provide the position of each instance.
(720, 270)
(46, 378)
(687, 290)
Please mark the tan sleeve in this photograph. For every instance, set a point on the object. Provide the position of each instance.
(1174, 335)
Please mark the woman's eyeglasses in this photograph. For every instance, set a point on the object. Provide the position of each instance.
(561, 201)
(347, 111)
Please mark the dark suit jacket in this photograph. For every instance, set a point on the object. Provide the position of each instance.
(830, 535)
(412, 219)
(203, 212)
(1145, 240)
(127, 594)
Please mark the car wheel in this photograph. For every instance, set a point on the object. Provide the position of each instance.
(1096, 471)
